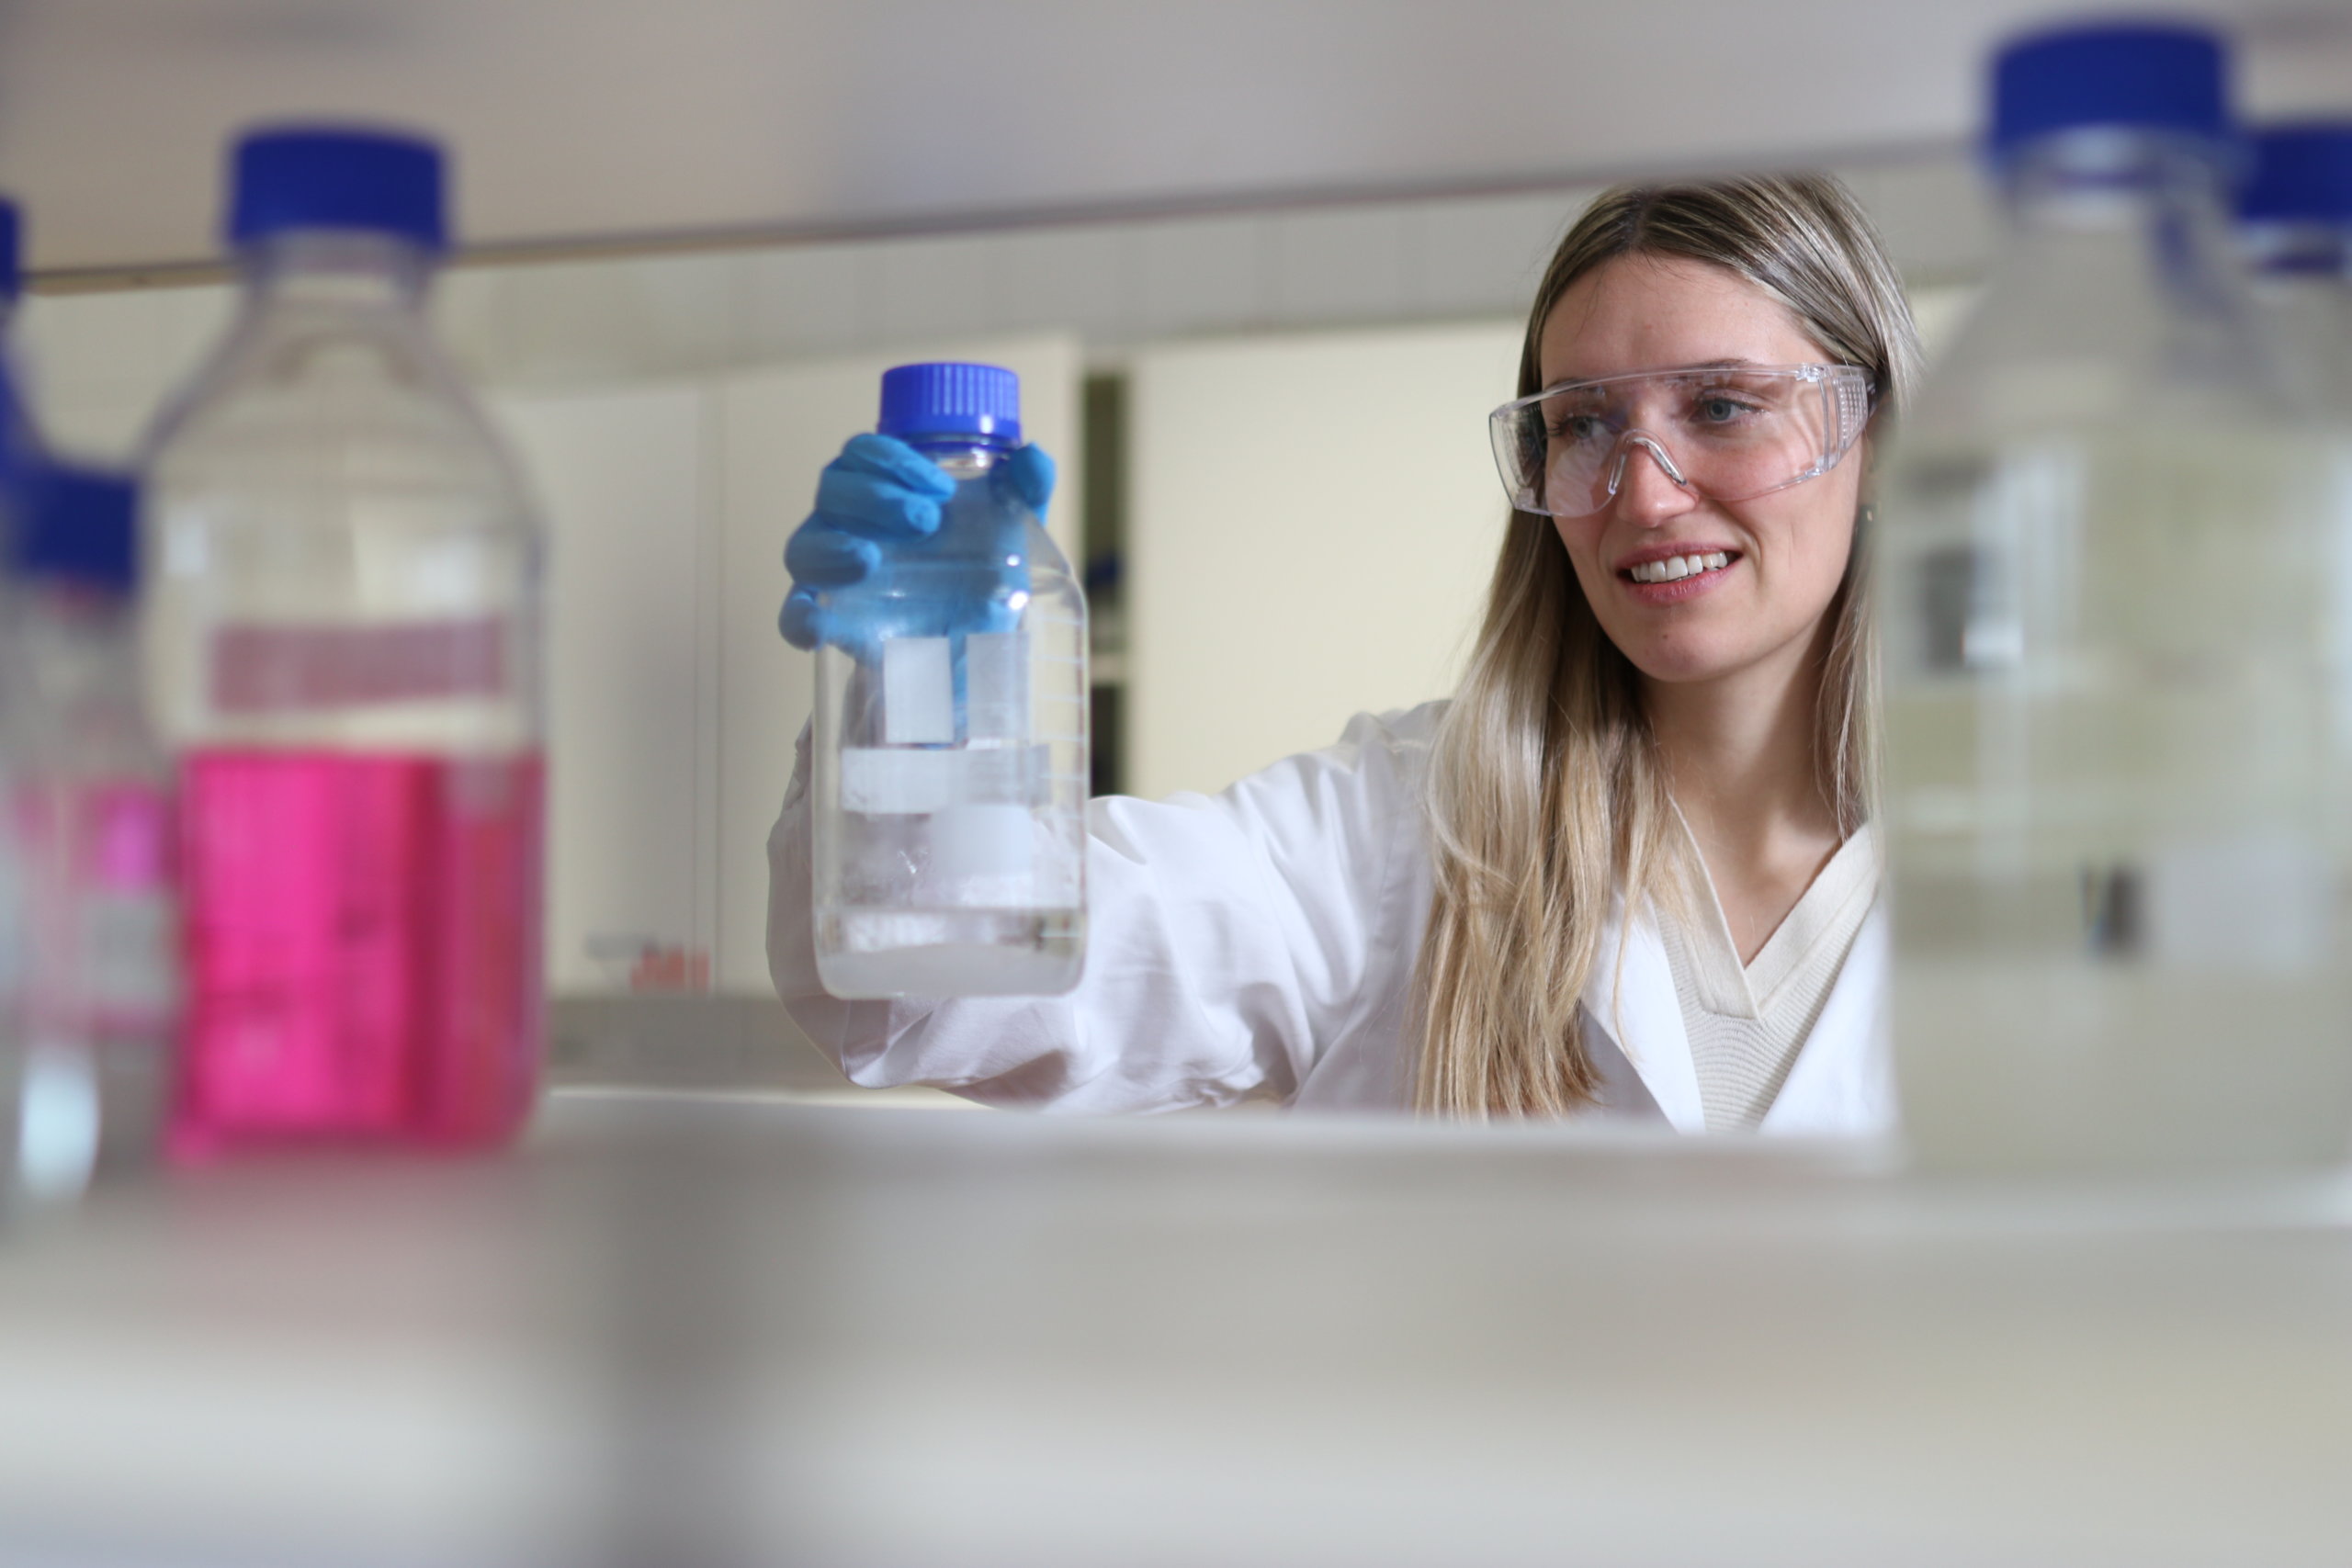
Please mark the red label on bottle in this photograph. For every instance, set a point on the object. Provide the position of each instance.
(269, 668)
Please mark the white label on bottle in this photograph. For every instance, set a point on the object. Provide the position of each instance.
(271, 669)
(884, 782)
(918, 691)
(996, 685)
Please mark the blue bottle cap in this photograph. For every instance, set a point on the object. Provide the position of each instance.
(943, 398)
(79, 525)
(12, 259)
(2302, 172)
(2146, 75)
(337, 177)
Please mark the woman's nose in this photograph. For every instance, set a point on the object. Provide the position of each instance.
(1647, 485)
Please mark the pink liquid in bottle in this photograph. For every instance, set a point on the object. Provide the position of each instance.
(363, 948)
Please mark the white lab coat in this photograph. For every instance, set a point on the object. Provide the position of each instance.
(1263, 941)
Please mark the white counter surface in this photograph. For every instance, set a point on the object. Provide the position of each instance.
(690, 1330)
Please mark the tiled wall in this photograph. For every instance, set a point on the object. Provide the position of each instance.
(100, 360)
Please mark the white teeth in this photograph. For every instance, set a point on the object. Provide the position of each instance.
(1675, 568)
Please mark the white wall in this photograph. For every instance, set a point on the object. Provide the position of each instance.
(1313, 521)
(623, 479)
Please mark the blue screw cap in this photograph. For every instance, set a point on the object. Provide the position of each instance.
(78, 525)
(2302, 172)
(946, 397)
(2144, 75)
(337, 177)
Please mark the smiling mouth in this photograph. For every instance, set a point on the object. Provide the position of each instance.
(1674, 568)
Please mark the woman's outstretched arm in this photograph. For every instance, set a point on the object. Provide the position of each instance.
(1230, 937)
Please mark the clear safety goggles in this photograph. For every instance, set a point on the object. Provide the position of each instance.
(1728, 431)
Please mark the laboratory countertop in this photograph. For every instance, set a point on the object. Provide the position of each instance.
(699, 1329)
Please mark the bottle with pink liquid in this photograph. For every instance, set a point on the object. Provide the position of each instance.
(341, 646)
(86, 840)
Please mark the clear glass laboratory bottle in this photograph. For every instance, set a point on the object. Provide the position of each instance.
(2116, 705)
(93, 1006)
(343, 639)
(950, 745)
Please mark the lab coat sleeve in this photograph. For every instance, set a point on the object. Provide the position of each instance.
(1230, 939)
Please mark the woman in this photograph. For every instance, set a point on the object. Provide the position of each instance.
(1627, 869)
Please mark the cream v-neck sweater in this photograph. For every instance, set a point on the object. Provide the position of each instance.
(1747, 1022)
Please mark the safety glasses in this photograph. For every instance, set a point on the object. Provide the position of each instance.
(1729, 432)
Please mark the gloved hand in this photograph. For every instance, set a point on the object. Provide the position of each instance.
(880, 506)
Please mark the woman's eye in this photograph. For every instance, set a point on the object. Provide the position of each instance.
(1576, 427)
(1723, 410)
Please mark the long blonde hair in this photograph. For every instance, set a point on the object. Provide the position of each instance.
(1546, 798)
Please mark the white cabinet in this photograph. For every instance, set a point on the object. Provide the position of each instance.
(624, 479)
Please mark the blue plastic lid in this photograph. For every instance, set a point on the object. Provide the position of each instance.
(2151, 75)
(337, 177)
(944, 398)
(79, 525)
(2301, 171)
(12, 259)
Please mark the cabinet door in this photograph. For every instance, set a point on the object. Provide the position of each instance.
(1312, 523)
(777, 428)
(622, 477)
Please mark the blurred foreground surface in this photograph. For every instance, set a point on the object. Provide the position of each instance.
(683, 1330)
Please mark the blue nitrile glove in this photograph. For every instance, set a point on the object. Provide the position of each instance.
(883, 506)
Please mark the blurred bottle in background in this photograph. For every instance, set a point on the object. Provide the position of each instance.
(2295, 230)
(950, 776)
(342, 641)
(2117, 701)
(95, 995)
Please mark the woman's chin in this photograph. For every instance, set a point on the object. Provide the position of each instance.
(1687, 662)
(1690, 657)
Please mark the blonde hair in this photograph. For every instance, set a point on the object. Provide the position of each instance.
(1546, 798)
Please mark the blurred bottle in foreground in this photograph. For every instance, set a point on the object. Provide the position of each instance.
(2295, 230)
(89, 827)
(342, 641)
(2117, 697)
